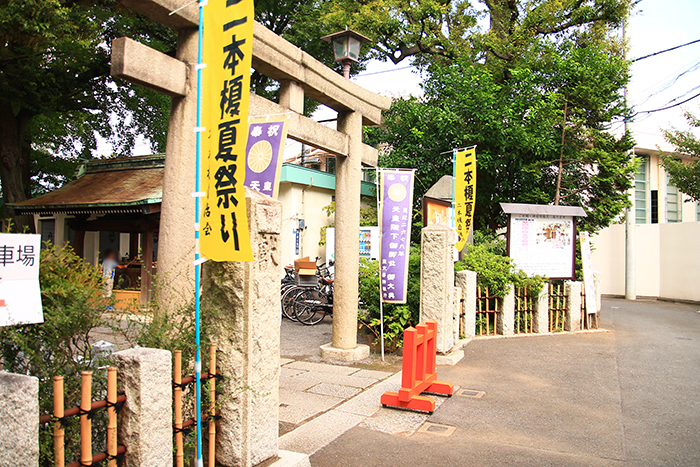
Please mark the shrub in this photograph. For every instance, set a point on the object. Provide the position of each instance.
(396, 317)
(71, 294)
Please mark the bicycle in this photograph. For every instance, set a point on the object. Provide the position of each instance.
(312, 304)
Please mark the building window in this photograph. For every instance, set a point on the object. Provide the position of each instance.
(641, 187)
(654, 206)
(673, 203)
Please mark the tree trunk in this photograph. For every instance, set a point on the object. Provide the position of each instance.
(557, 196)
(14, 165)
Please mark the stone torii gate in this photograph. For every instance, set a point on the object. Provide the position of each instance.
(299, 74)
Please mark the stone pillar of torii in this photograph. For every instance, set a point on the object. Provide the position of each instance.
(299, 74)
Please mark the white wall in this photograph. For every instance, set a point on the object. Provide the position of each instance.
(667, 261)
(301, 202)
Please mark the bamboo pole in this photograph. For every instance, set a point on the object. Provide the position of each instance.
(112, 416)
(212, 405)
(85, 422)
(177, 395)
(59, 433)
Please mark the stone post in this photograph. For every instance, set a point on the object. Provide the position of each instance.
(437, 280)
(241, 307)
(176, 232)
(456, 312)
(19, 420)
(506, 325)
(467, 281)
(597, 275)
(572, 321)
(542, 310)
(146, 421)
(347, 245)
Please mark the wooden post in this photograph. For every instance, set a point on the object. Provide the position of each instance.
(212, 406)
(85, 422)
(59, 432)
(146, 267)
(79, 242)
(133, 245)
(112, 415)
(177, 394)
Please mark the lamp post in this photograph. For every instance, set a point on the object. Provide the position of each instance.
(346, 47)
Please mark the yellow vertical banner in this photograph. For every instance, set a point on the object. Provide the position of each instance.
(227, 50)
(465, 193)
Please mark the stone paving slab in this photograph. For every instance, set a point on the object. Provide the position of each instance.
(335, 390)
(322, 368)
(315, 403)
(290, 372)
(373, 374)
(319, 432)
(284, 361)
(304, 381)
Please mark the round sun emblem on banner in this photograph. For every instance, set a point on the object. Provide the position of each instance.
(397, 192)
(260, 156)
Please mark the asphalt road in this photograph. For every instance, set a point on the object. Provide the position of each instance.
(627, 397)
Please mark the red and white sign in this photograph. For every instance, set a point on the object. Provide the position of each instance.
(20, 295)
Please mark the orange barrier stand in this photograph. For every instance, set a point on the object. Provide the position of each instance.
(419, 371)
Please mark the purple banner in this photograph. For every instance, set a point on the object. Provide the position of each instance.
(395, 221)
(264, 154)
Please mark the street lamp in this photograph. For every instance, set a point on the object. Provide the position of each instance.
(346, 47)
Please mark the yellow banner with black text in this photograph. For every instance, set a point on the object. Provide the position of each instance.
(227, 49)
(465, 193)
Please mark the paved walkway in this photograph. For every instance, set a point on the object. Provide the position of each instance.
(626, 397)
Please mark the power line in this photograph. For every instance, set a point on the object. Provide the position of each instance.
(383, 71)
(666, 50)
(668, 107)
(673, 81)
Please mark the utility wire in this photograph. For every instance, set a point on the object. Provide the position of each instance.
(666, 50)
(383, 71)
(668, 107)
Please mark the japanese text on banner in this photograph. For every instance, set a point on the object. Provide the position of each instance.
(227, 53)
(395, 221)
(264, 153)
(465, 193)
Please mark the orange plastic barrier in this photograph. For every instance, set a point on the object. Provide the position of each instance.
(419, 373)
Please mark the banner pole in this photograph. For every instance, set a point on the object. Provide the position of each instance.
(198, 357)
(381, 295)
(454, 181)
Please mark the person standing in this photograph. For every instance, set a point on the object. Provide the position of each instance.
(109, 266)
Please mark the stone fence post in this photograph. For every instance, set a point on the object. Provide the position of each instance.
(542, 311)
(466, 280)
(437, 281)
(146, 421)
(19, 420)
(506, 325)
(572, 322)
(241, 300)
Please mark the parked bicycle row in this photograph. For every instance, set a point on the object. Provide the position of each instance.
(307, 298)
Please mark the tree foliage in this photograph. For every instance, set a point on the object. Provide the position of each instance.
(57, 98)
(538, 116)
(685, 175)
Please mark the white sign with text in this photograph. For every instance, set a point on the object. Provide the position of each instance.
(542, 244)
(20, 295)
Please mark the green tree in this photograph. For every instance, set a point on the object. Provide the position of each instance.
(539, 128)
(451, 30)
(685, 175)
(56, 95)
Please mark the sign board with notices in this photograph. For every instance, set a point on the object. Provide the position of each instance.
(20, 295)
(542, 239)
(369, 243)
